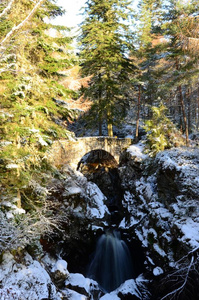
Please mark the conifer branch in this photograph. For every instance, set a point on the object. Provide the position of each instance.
(20, 25)
(8, 7)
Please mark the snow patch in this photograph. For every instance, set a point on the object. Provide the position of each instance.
(157, 271)
(190, 230)
(159, 250)
(61, 266)
(97, 198)
(29, 279)
(128, 287)
(137, 151)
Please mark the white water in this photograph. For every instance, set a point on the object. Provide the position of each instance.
(112, 264)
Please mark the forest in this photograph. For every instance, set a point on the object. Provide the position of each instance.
(136, 65)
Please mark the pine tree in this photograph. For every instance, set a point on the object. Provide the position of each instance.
(149, 16)
(147, 31)
(181, 27)
(31, 61)
(161, 132)
(105, 44)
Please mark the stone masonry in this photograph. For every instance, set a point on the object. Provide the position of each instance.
(71, 151)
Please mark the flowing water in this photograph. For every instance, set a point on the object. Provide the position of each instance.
(111, 264)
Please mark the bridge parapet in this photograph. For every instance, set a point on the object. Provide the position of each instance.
(71, 151)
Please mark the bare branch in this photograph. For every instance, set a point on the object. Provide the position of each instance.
(8, 7)
(15, 28)
(182, 274)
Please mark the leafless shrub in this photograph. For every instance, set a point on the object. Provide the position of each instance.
(182, 283)
(26, 229)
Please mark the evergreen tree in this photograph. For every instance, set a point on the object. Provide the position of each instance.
(149, 17)
(105, 44)
(161, 132)
(31, 61)
(180, 26)
(147, 33)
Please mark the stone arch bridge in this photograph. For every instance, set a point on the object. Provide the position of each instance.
(71, 151)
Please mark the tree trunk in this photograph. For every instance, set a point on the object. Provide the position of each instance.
(183, 108)
(184, 115)
(109, 123)
(99, 107)
(138, 115)
(18, 198)
(189, 110)
(100, 127)
(197, 123)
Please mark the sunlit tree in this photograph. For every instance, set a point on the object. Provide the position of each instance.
(105, 44)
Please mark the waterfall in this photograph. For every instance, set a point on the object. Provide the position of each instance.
(111, 264)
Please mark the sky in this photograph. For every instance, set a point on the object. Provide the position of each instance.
(71, 17)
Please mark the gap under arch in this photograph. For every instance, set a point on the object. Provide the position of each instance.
(96, 159)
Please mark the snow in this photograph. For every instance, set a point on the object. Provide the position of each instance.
(122, 224)
(13, 209)
(111, 296)
(153, 232)
(128, 287)
(72, 295)
(96, 228)
(197, 180)
(150, 260)
(160, 251)
(12, 166)
(27, 278)
(157, 271)
(9, 293)
(80, 284)
(137, 151)
(184, 212)
(190, 229)
(98, 199)
(74, 190)
(90, 194)
(76, 279)
(61, 266)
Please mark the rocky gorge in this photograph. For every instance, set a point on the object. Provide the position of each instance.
(151, 204)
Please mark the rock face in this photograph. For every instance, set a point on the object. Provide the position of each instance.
(83, 206)
(178, 174)
(163, 210)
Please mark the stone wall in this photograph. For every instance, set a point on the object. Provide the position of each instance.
(71, 151)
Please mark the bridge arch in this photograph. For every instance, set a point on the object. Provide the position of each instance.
(71, 151)
(96, 159)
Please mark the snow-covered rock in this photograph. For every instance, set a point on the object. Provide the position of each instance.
(60, 272)
(82, 285)
(25, 278)
(136, 151)
(130, 289)
(163, 204)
